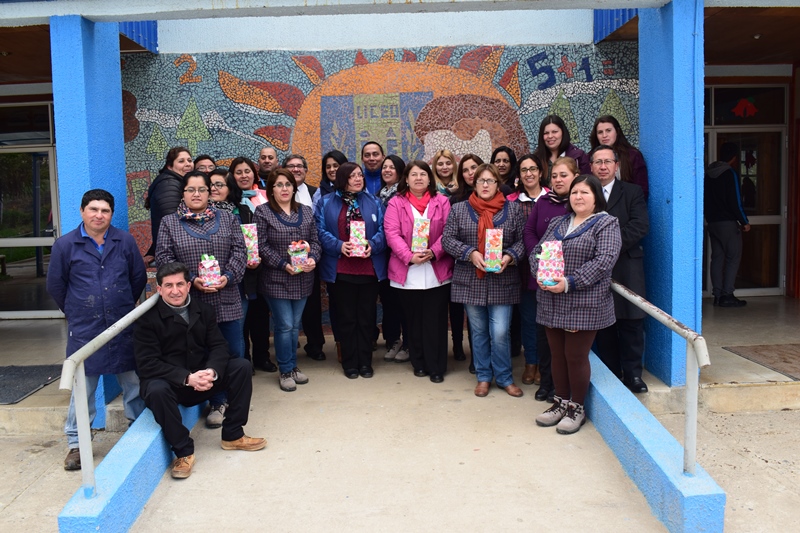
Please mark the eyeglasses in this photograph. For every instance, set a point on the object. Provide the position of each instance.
(283, 185)
(530, 170)
(295, 167)
(192, 190)
(604, 162)
(218, 185)
(486, 182)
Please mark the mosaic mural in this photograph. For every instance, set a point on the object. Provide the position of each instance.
(412, 101)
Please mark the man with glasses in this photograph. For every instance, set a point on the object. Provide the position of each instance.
(96, 275)
(621, 346)
(312, 312)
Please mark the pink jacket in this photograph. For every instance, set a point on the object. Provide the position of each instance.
(398, 224)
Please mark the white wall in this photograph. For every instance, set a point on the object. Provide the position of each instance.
(336, 32)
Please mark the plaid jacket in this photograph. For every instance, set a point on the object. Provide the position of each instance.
(185, 241)
(589, 255)
(275, 234)
(460, 239)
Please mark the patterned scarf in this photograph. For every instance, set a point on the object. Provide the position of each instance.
(387, 193)
(224, 206)
(353, 210)
(185, 214)
(486, 210)
(556, 199)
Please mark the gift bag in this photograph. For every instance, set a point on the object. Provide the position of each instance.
(551, 263)
(420, 234)
(250, 232)
(493, 254)
(208, 271)
(298, 254)
(358, 238)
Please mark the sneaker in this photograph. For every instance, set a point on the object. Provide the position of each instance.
(287, 382)
(299, 377)
(729, 300)
(391, 353)
(73, 460)
(573, 419)
(182, 467)
(248, 444)
(553, 415)
(402, 356)
(215, 416)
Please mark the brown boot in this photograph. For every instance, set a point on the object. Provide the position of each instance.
(529, 374)
(339, 351)
(537, 379)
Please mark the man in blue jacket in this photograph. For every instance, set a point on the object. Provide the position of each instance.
(96, 274)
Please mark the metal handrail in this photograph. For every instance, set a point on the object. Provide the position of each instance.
(73, 375)
(696, 358)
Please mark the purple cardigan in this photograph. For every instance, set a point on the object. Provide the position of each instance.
(543, 212)
(398, 224)
(581, 157)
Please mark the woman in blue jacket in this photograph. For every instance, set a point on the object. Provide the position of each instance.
(354, 279)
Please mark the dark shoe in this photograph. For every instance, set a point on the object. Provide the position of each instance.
(729, 300)
(482, 389)
(551, 396)
(420, 373)
(319, 356)
(366, 372)
(267, 366)
(529, 374)
(73, 460)
(458, 352)
(436, 378)
(513, 390)
(351, 373)
(716, 301)
(471, 368)
(637, 386)
(541, 394)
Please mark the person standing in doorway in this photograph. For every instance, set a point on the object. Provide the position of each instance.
(96, 274)
(726, 222)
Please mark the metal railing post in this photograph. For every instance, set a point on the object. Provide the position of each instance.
(690, 422)
(84, 432)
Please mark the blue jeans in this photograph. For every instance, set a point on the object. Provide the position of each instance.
(527, 313)
(131, 402)
(490, 326)
(286, 318)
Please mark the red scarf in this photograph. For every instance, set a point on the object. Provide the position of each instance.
(420, 204)
(486, 210)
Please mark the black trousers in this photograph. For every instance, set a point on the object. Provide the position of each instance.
(545, 358)
(427, 327)
(163, 398)
(356, 308)
(393, 323)
(312, 319)
(256, 327)
(621, 347)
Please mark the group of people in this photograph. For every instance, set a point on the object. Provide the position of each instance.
(436, 243)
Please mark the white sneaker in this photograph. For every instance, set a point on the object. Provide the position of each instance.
(287, 382)
(402, 356)
(299, 377)
(391, 353)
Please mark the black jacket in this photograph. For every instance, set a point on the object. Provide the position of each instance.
(163, 198)
(166, 347)
(722, 198)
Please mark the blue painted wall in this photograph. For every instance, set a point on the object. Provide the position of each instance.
(87, 99)
(670, 115)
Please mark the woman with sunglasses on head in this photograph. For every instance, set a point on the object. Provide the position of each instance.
(632, 168)
(487, 292)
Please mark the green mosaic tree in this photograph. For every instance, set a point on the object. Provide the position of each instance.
(191, 127)
(612, 105)
(563, 109)
(157, 144)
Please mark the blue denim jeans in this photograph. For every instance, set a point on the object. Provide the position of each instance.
(286, 318)
(131, 402)
(491, 342)
(527, 313)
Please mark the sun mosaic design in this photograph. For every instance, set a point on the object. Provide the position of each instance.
(412, 101)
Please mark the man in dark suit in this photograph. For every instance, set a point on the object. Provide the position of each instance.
(183, 359)
(312, 312)
(621, 346)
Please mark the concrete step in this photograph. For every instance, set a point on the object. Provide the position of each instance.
(19, 419)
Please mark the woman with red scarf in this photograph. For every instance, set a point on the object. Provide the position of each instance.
(420, 267)
(488, 290)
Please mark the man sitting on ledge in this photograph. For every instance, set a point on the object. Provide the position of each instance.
(182, 358)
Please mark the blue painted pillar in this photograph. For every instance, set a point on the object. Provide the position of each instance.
(671, 121)
(87, 100)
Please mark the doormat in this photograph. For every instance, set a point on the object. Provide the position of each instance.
(782, 358)
(19, 382)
